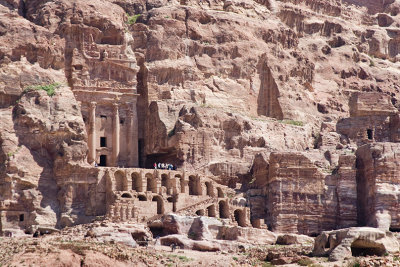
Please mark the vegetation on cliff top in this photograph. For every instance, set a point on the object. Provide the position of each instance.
(132, 19)
(49, 88)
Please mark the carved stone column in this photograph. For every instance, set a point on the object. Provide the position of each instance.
(116, 136)
(92, 133)
(133, 136)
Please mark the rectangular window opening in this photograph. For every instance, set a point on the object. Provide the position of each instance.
(103, 142)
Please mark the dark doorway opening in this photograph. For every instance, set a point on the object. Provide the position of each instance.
(369, 134)
(21, 217)
(103, 160)
(223, 210)
(240, 217)
(103, 142)
(140, 152)
(157, 231)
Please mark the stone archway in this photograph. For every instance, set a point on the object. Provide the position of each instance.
(210, 189)
(151, 183)
(240, 217)
(220, 192)
(137, 183)
(121, 183)
(160, 204)
(200, 212)
(223, 209)
(164, 180)
(194, 186)
(142, 198)
(211, 211)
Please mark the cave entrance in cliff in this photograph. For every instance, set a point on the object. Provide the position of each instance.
(120, 181)
(210, 189)
(223, 210)
(194, 186)
(240, 217)
(367, 248)
(103, 161)
(137, 182)
(160, 204)
(151, 183)
(162, 157)
(211, 211)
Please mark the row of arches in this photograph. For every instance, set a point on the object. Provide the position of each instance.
(194, 184)
(223, 208)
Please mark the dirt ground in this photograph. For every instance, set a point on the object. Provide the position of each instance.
(58, 250)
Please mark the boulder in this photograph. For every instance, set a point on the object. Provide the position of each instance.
(291, 239)
(247, 235)
(204, 228)
(197, 228)
(354, 241)
(175, 224)
(183, 241)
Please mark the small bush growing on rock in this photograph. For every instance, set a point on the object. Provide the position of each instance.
(133, 19)
(49, 88)
(371, 63)
(292, 122)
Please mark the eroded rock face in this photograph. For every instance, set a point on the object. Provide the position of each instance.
(377, 179)
(356, 241)
(42, 141)
(255, 93)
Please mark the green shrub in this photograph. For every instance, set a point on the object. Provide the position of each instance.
(132, 19)
(292, 122)
(371, 63)
(49, 88)
(305, 262)
(184, 258)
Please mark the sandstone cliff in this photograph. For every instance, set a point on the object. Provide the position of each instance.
(241, 90)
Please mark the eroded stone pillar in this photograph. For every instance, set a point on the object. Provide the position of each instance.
(92, 133)
(116, 135)
(133, 136)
